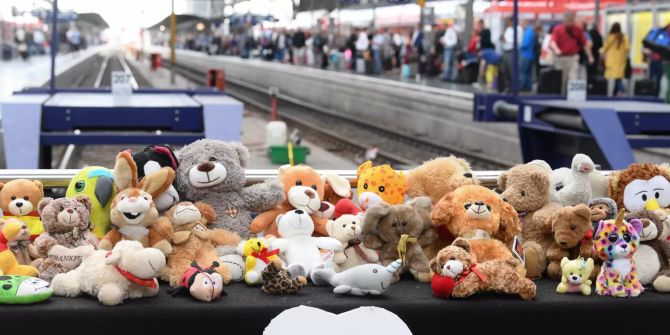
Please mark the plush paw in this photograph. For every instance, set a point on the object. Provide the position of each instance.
(662, 284)
(235, 265)
(110, 295)
(164, 246)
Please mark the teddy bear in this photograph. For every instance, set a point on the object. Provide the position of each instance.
(257, 256)
(575, 275)
(654, 250)
(347, 228)
(67, 234)
(577, 184)
(192, 241)
(97, 183)
(304, 189)
(24, 250)
(277, 280)
(602, 209)
(458, 274)
(573, 236)
(19, 199)
(526, 188)
(380, 184)
(133, 212)
(477, 214)
(151, 159)
(616, 242)
(10, 229)
(403, 227)
(435, 178)
(212, 171)
(129, 271)
(641, 186)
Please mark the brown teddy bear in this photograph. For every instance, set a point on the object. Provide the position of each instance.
(19, 199)
(67, 233)
(437, 177)
(192, 241)
(459, 266)
(573, 237)
(386, 225)
(526, 188)
(479, 215)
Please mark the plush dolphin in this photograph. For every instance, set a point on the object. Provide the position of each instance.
(363, 279)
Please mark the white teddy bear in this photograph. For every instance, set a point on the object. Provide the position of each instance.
(297, 246)
(347, 229)
(128, 271)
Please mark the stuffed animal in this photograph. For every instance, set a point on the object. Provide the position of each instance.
(19, 199)
(10, 229)
(152, 159)
(479, 215)
(202, 284)
(129, 271)
(133, 213)
(304, 189)
(97, 183)
(575, 276)
(380, 184)
(573, 236)
(437, 177)
(526, 188)
(24, 251)
(578, 184)
(499, 275)
(641, 186)
(347, 228)
(212, 171)
(297, 246)
(277, 280)
(335, 190)
(257, 256)
(21, 290)
(67, 234)
(653, 252)
(401, 231)
(602, 209)
(616, 242)
(193, 242)
(363, 279)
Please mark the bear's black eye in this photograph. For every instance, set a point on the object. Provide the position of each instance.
(26, 198)
(523, 193)
(314, 187)
(259, 243)
(353, 222)
(657, 195)
(146, 198)
(374, 270)
(394, 224)
(62, 208)
(488, 207)
(573, 227)
(571, 273)
(212, 159)
(627, 237)
(452, 258)
(13, 197)
(644, 197)
(467, 205)
(382, 189)
(613, 238)
(298, 183)
(365, 186)
(404, 223)
(344, 225)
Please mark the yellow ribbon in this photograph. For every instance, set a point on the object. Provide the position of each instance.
(402, 245)
(290, 154)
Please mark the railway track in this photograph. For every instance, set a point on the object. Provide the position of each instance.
(338, 132)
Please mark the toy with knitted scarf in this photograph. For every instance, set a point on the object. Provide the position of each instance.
(347, 228)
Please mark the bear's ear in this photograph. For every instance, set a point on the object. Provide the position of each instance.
(330, 225)
(583, 212)
(157, 182)
(84, 200)
(282, 170)
(564, 261)
(125, 171)
(242, 153)
(434, 265)
(43, 204)
(541, 180)
(363, 167)
(502, 180)
(423, 204)
(339, 185)
(40, 186)
(462, 243)
(1, 186)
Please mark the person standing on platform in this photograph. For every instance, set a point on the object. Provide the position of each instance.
(280, 45)
(594, 69)
(74, 38)
(362, 45)
(527, 54)
(449, 42)
(299, 47)
(418, 47)
(21, 40)
(567, 39)
(377, 45)
(398, 43)
(616, 56)
(507, 44)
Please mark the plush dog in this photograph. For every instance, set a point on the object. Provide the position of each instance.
(133, 212)
(576, 274)
(457, 262)
(257, 256)
(407, 228)
(654, 251)
(67, 234)
(438, 177)
(380, 184)
(616, 242)
(573, 236)
(479, 215)
(304, 189)
(347, 228)
(129, 271)
(193, 242)
(19, 199)
(10, 230)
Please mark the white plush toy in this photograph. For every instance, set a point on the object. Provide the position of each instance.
(347, 229)
(364, 279)
(128, 271)
(297, 246)
(578, 184)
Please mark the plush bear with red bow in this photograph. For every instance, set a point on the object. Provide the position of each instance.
(573, 237)
(347, 228)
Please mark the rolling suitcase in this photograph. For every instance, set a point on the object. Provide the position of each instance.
(550, 81)
(645, 87)
(597, 86)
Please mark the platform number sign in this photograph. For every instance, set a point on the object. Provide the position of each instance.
(577, 90)
(121, 83)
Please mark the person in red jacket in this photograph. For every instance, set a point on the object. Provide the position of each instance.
(567, 40)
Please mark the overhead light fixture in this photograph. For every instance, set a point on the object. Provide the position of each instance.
(200, 26)
(161, 28)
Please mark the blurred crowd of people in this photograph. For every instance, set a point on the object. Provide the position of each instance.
(28, 42)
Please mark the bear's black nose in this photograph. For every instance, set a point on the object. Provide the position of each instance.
(310, 194)
(479, 203)
(298, 211)
(574, 277)
(19, 204)
(205, 167)
(467, 175)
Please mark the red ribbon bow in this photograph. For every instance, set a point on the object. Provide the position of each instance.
(588, 236)
(265, 255)
(151, 283)
(473, 268)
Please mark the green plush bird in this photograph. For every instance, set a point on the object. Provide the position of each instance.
(97, 183)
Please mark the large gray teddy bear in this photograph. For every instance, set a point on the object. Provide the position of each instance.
(212, 171)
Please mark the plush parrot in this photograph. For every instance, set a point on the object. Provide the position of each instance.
(98, 184)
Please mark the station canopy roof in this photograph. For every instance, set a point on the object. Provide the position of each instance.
(182, 20)
(545, 6)
(93, 19)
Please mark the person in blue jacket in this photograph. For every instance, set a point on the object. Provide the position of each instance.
(527, 53)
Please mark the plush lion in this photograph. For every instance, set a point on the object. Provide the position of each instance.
(477, 214)
(641, 186)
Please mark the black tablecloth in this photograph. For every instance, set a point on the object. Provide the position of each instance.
(250, 309)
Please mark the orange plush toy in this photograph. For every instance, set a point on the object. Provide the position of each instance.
(380, 184)
(304, 189)
(19, 199)
(478, 215)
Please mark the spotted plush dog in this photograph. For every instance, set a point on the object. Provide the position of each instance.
(615, 243)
